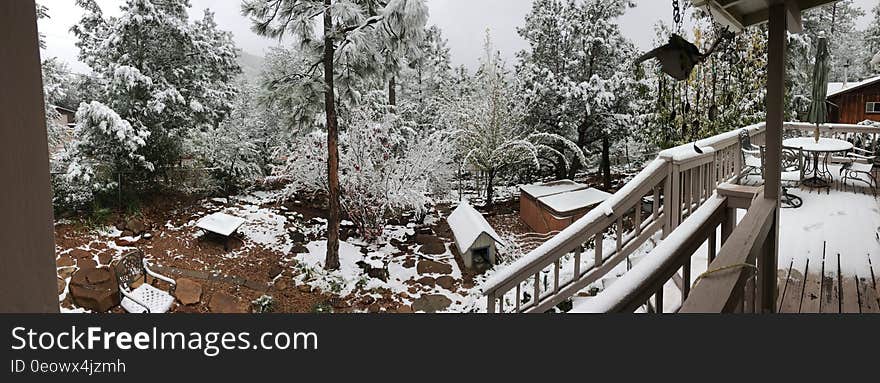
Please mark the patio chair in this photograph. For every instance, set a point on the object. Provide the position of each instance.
(792, 176)
(860, 164)
(752, 156)
(131, 268)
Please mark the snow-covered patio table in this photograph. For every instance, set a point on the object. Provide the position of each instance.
(221, 224)
(821, 178)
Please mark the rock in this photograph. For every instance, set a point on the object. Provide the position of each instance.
(281, 284)
(86, 264)
(431, 303)
(148, 236)
(274, 270)
(80, 254)
(304, 289)
(434, 248)
(136, 225)
(95, 289)
(367, 300)
(297, 237)
(66, 272)
(374, 308)
(64, 261)
(339, 303)
(379, 273)
(446, 282)
(222, 303)
(405, 309)
(427, 266)
(105, 258)
(299, 249)
(426, 281)
(188, 292)
(409, 263)
(425, 230)
(61, 285)
(424, 239)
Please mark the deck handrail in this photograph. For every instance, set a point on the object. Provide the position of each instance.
(648, 277)
(728, 285)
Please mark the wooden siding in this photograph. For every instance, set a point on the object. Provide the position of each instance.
(849, 107)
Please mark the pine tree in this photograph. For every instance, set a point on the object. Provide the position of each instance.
(158, 73)
(355, 31)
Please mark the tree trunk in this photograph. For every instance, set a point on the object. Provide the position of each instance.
(392, 91)
(331, 262)
(606, 162)
(490, 191)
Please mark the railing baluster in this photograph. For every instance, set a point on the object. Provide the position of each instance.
(518, 298)
(637, 218)
(686, 279)
(658, 301)
(655, 208)
(556, 276)
(599, 255)
(620, 233)
(577, 263)
(537, 287)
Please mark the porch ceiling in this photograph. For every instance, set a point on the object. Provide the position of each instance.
(739, 14)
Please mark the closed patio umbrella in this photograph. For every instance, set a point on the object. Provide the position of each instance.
(819, 106)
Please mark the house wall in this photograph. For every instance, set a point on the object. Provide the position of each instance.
(27, 248)
(849, 107)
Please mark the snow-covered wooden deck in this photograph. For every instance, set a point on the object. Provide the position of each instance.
(829, 252)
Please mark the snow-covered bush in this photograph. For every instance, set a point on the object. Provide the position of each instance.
(386, 168)
(231, 151)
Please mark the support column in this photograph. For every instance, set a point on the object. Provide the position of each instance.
(776, 56)
(27, 246)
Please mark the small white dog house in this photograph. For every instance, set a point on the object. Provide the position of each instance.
(476, 240)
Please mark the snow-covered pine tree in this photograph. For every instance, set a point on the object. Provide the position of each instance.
(576, 51)
(356, 31)
(158, 73)
(488, 119)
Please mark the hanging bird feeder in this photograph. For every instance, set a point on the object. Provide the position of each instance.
(679, 57)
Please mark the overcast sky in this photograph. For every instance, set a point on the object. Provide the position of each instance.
(463, 22)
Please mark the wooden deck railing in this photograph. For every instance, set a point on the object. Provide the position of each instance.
(670, 190)
(653, 204)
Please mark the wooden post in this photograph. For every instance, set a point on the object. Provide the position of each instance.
(27, 243)
(778, 29)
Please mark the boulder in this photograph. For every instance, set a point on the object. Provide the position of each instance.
(61, 285)
(63, 261)
(427, 266)
(105, 258)
(281, 284)
(299, 249)
(431, 303)
(66, 272)
(304, 288)
(446, 282)
(405, 309)
(274, 270)
(434, 248)
(426, 281)
(86, 264)
(136, 226)
(222, 303)
(188, 292)
(95, 289)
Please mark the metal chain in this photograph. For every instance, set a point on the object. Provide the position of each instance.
(676, 14)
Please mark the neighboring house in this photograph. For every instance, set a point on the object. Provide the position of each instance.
(65, 118)
(476, 240)
(854, 102)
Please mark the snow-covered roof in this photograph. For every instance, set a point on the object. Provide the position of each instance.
(835, 88)
(575, 200)
(551, 188)
(467, 225)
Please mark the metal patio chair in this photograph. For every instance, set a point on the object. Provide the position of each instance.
(860, 164)
(131, 268)
(752, 156)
